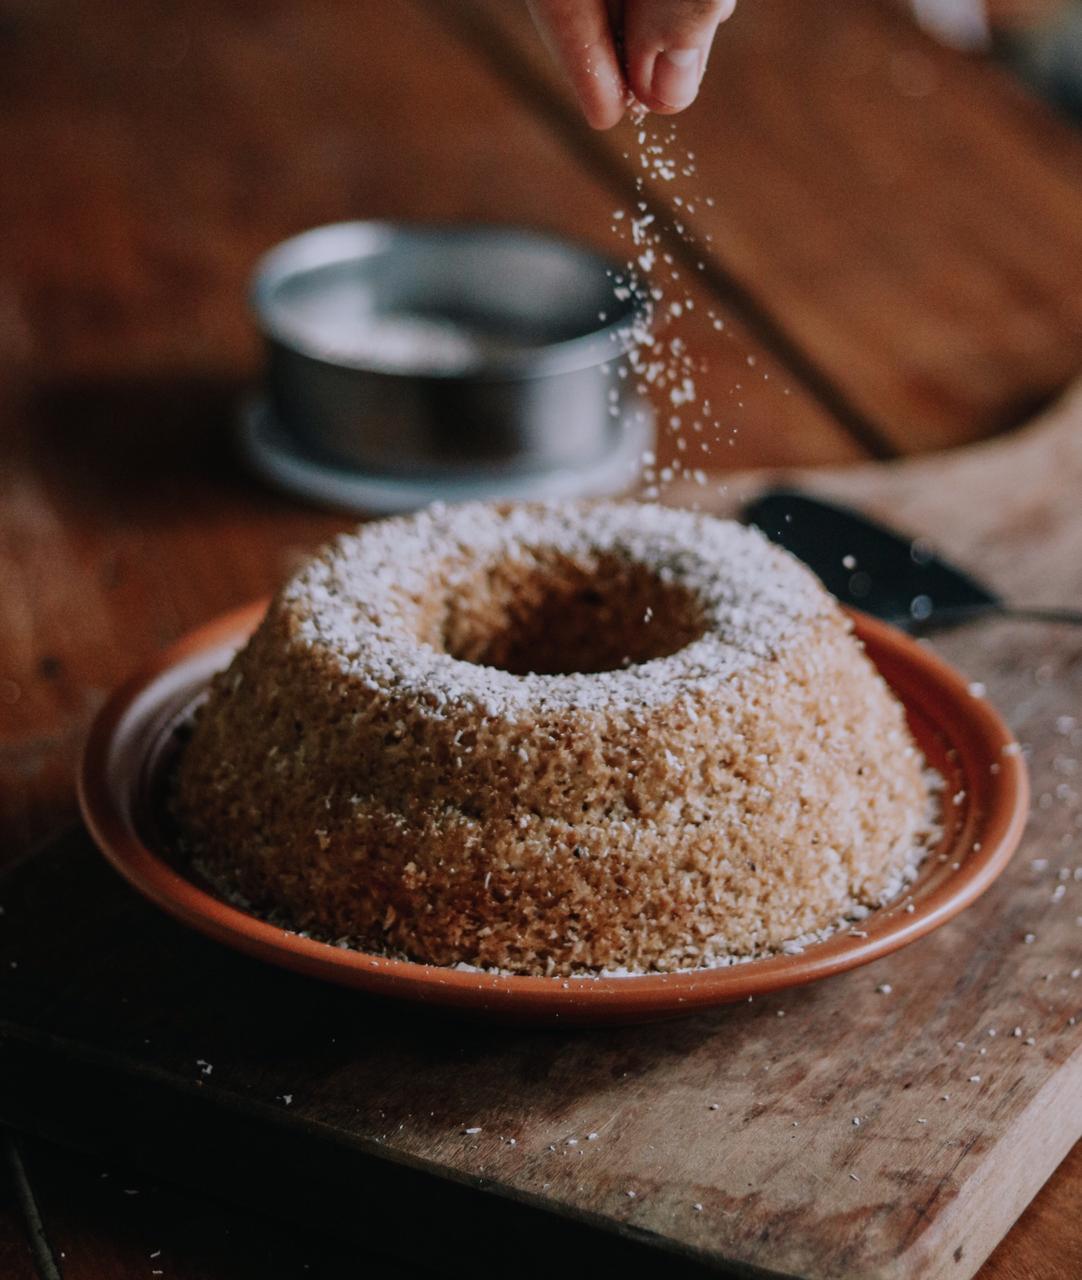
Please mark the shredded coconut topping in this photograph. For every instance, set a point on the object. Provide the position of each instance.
(356, 601)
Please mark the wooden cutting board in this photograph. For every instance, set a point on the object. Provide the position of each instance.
(729, 1140)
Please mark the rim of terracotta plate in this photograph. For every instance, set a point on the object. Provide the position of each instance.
(985, 807)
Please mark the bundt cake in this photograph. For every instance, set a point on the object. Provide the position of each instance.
(554, 739)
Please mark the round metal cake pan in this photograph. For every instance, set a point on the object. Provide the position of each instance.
(134, 738)
(538, 380)
(270, 451)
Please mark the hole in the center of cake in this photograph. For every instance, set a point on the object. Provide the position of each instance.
(558, 617)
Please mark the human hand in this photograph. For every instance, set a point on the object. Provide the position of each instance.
(656, 49)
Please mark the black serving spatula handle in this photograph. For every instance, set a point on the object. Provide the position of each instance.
(871, 567)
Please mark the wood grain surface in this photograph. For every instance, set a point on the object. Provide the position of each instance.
(150, 154)
(902, 217)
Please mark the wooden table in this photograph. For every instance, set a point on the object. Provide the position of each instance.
(894, 247)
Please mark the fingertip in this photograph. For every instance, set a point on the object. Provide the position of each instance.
(601, 89)
(658, 108)
(640, 76)
(647, 98)
(579, 33)
(602, 116)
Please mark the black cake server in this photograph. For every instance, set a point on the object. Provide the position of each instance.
(872, 567)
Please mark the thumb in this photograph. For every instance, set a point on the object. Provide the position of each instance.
(667, 43)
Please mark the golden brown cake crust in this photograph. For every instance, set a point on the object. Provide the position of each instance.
(423, 748)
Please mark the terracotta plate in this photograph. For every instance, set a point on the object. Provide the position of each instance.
(134, 736)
